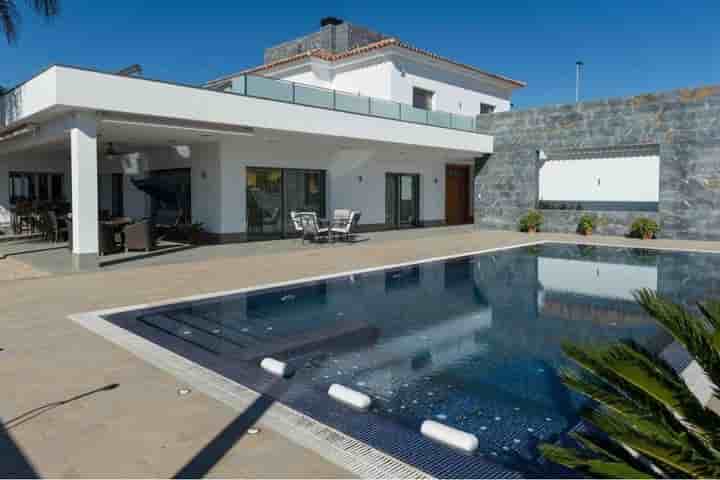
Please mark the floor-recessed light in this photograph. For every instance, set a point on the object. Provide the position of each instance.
(253, 431)
(183, 391)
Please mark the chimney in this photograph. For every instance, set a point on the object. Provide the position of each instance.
(325, 21)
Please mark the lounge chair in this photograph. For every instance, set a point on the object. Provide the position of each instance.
(311, 229)
(344, 230)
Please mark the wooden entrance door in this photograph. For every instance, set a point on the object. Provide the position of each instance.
(457, 194)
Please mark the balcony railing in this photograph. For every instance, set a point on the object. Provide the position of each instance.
(310, 96)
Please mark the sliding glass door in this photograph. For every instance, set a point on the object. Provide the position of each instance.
(402, 200)
(272, 193)
(264, 202)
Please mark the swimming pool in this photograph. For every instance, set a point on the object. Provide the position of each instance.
(472, 342)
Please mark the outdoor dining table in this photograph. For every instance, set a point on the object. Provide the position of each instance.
(117, 225)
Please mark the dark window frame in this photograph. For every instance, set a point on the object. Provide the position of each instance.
(428, 95)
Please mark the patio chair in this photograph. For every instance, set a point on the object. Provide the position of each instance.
(296, 223)
(106, 239)
(347, 228)
(311, 229)
(54, 228)
(140, 236)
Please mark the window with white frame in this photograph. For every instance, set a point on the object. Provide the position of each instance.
(422, 98)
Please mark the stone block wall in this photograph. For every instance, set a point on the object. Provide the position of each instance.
(333, 38)
(685, 124)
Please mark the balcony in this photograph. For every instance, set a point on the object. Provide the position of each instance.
(310, 96)
(256, 104)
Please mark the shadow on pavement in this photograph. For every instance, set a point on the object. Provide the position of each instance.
(203, 462)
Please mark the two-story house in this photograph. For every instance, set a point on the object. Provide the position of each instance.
(341, 118)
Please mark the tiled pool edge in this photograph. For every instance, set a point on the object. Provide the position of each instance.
(336, 447)
(345, 451)
(332, 445)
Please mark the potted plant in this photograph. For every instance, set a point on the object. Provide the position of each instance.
(644, 228)
(587, 224)
(531, 221)
(196, 233)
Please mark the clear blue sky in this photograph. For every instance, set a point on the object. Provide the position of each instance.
(629, 47)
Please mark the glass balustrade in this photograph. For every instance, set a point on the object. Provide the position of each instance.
(301, 94)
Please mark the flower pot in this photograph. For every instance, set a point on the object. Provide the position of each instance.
(647, 236)
(587, 232)
(532, 230)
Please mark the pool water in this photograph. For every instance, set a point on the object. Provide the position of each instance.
(474, 343)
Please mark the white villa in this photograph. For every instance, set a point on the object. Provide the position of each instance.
(342, 118)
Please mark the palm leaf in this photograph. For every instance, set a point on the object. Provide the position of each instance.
(603, 466)
(678, 455)
(693, 333)
(46, 8)
(10, 17)
(645, 405)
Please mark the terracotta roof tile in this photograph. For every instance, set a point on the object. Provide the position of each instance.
(333, 57)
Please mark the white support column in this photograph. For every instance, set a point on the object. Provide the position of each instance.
(84, 173)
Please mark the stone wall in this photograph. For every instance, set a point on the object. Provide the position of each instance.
(685, 124)
(334, 38)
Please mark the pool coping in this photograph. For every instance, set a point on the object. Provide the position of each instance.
(335, 446)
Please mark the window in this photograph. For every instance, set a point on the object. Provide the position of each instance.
(487, 108)
(41, 187)
(57, 183)
(422, 98)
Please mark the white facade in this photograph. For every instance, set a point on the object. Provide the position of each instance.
(392, 73)
(62, 121)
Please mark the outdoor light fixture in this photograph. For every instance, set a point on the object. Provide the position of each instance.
(360, 178)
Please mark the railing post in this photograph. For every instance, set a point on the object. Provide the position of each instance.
(399, 111)
(334, 104)
(293, 91)
(369, 105)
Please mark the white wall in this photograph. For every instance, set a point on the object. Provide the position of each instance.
(596, 279)
(81, 89)
(454, 92)
(372, 80)
(343, 166)
(392, 77)
(628, 179)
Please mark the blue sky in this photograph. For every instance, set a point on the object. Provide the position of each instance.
(629, 47)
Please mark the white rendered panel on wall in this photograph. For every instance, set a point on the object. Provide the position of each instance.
(620, 179)
(595, 279)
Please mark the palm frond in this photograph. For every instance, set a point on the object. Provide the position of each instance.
(693, 333)
(9, 19)
(674, 455)
(652, 423)
(595, 465)
(711, 311)
(46, 8)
